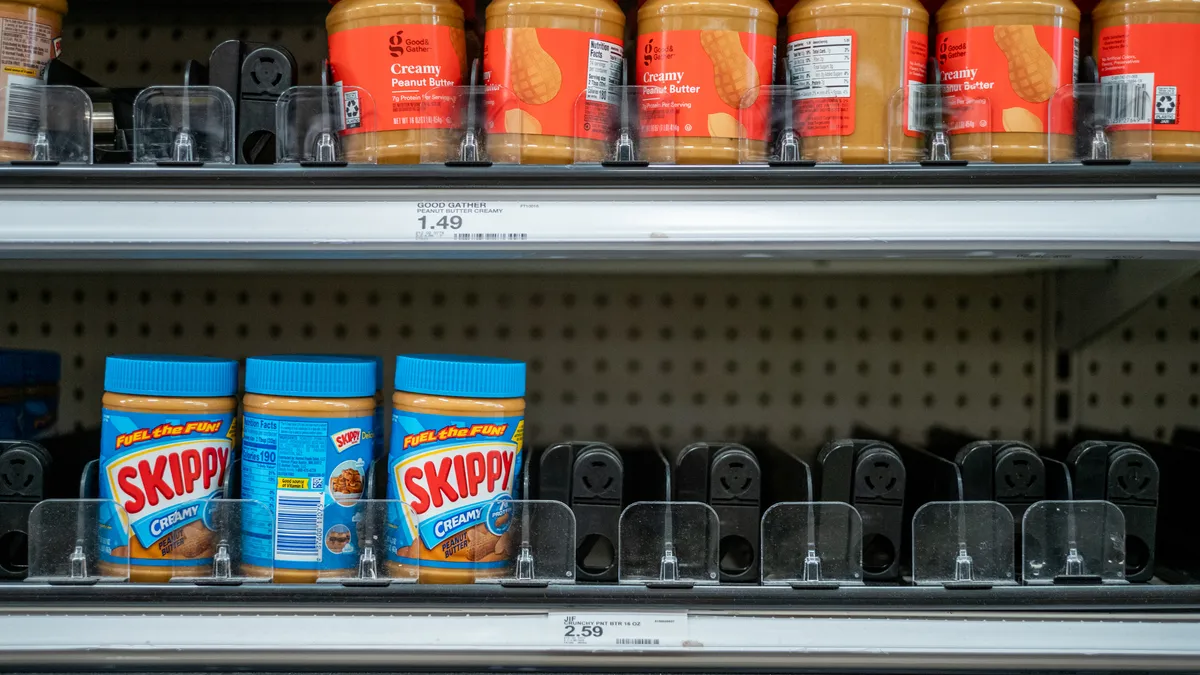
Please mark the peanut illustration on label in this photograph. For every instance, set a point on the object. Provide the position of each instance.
(734, 75)
(536, 77)
(1030, 69)
(724, 125)
(517, 121)
(1021, 120)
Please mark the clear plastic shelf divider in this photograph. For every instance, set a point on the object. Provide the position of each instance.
(325, 125)
(760, 119)
(183, 125)
(78, 541)
(208, 550)
(369, 539)
(49, 124)
(668, 544)
(938, 123)
(1112, 122)
(1074, 542)
(963, 544)
(812, 544)
(531, 543)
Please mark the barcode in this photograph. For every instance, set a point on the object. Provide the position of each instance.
(916, 106)
(298, 525)
(490, 236)
(22, 112)
(1128, 98)
(637, 641)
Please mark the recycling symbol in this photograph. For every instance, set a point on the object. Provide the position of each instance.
(1165, 104)
(352, 107)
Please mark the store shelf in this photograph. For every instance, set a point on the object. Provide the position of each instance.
(987, 212)
(378, 632)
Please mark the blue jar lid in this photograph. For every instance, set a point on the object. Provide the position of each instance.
(460, 376)
(378, 360)
(170, 375)
(311, 376)
(24, 367)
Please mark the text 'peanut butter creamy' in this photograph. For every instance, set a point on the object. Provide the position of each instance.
(552, 71)
(410, 57)
(1148, 52)
(30, 37)
(166, 439)
(1002, 64)
(848, 60)
(458, 426)
(706, 69)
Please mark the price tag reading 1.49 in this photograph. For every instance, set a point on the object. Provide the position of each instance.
(619, 629)
(443, 223)
(465, 222)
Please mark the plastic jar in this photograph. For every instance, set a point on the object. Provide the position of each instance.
(166, 439)
(552, 69)
(1009, 59)
(307, 444)
(29, 389)
(458, 426)
(1147, 51)
(705, 68)
(880, 47)
(31, 38)
(409, 55)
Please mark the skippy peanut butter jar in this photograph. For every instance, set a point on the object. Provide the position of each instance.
(166, 437)
(409, 55)
(458, 424)
(552, 72)
(30, 37)
(848, 60)
(307, 444)
(705, 69)
(1148, 52)
(1002, 62)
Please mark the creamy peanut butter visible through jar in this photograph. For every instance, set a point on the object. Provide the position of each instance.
(1005, 64)
(552, 69)
(30, 37)
(852, 64)
(410, 56)
(307, 444)
(706, 69)
(167, 433)
(1148, 52)
(458, 427)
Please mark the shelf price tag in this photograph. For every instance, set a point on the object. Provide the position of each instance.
(618, 629)
(468, 222)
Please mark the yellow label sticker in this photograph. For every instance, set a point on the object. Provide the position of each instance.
(20, 70)
(292, 483)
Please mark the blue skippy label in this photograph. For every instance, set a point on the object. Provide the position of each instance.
(162, 469)
(310, 472)
(455, 473)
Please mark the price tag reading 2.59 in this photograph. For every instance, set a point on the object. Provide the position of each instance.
(466, 221)
(619, 629)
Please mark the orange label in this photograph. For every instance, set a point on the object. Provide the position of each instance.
(403, 68)
(1003, 78)
(706, 83)
(823, 65)
(551, 81)
(1149, 75)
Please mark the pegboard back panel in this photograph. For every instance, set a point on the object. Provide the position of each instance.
(800, 357)
(1143, 377)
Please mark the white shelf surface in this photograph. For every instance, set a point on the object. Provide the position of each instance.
(477, 638)
(998, 223)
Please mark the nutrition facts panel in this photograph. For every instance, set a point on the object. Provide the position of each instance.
(822, 67)
(604, 71)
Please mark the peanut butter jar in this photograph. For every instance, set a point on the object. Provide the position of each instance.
(308, 440)
(166, 438)
(706, 69)
(853, 65)
(31, 38)
(410, 56)
(552, 71)
(1004, 65)
(1148, 52)
(458, 426)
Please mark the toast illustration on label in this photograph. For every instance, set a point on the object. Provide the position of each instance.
(724, 125)
(1021, 120)
(536, 77)
(734, 75)
(1030, 69)
(517, 121)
